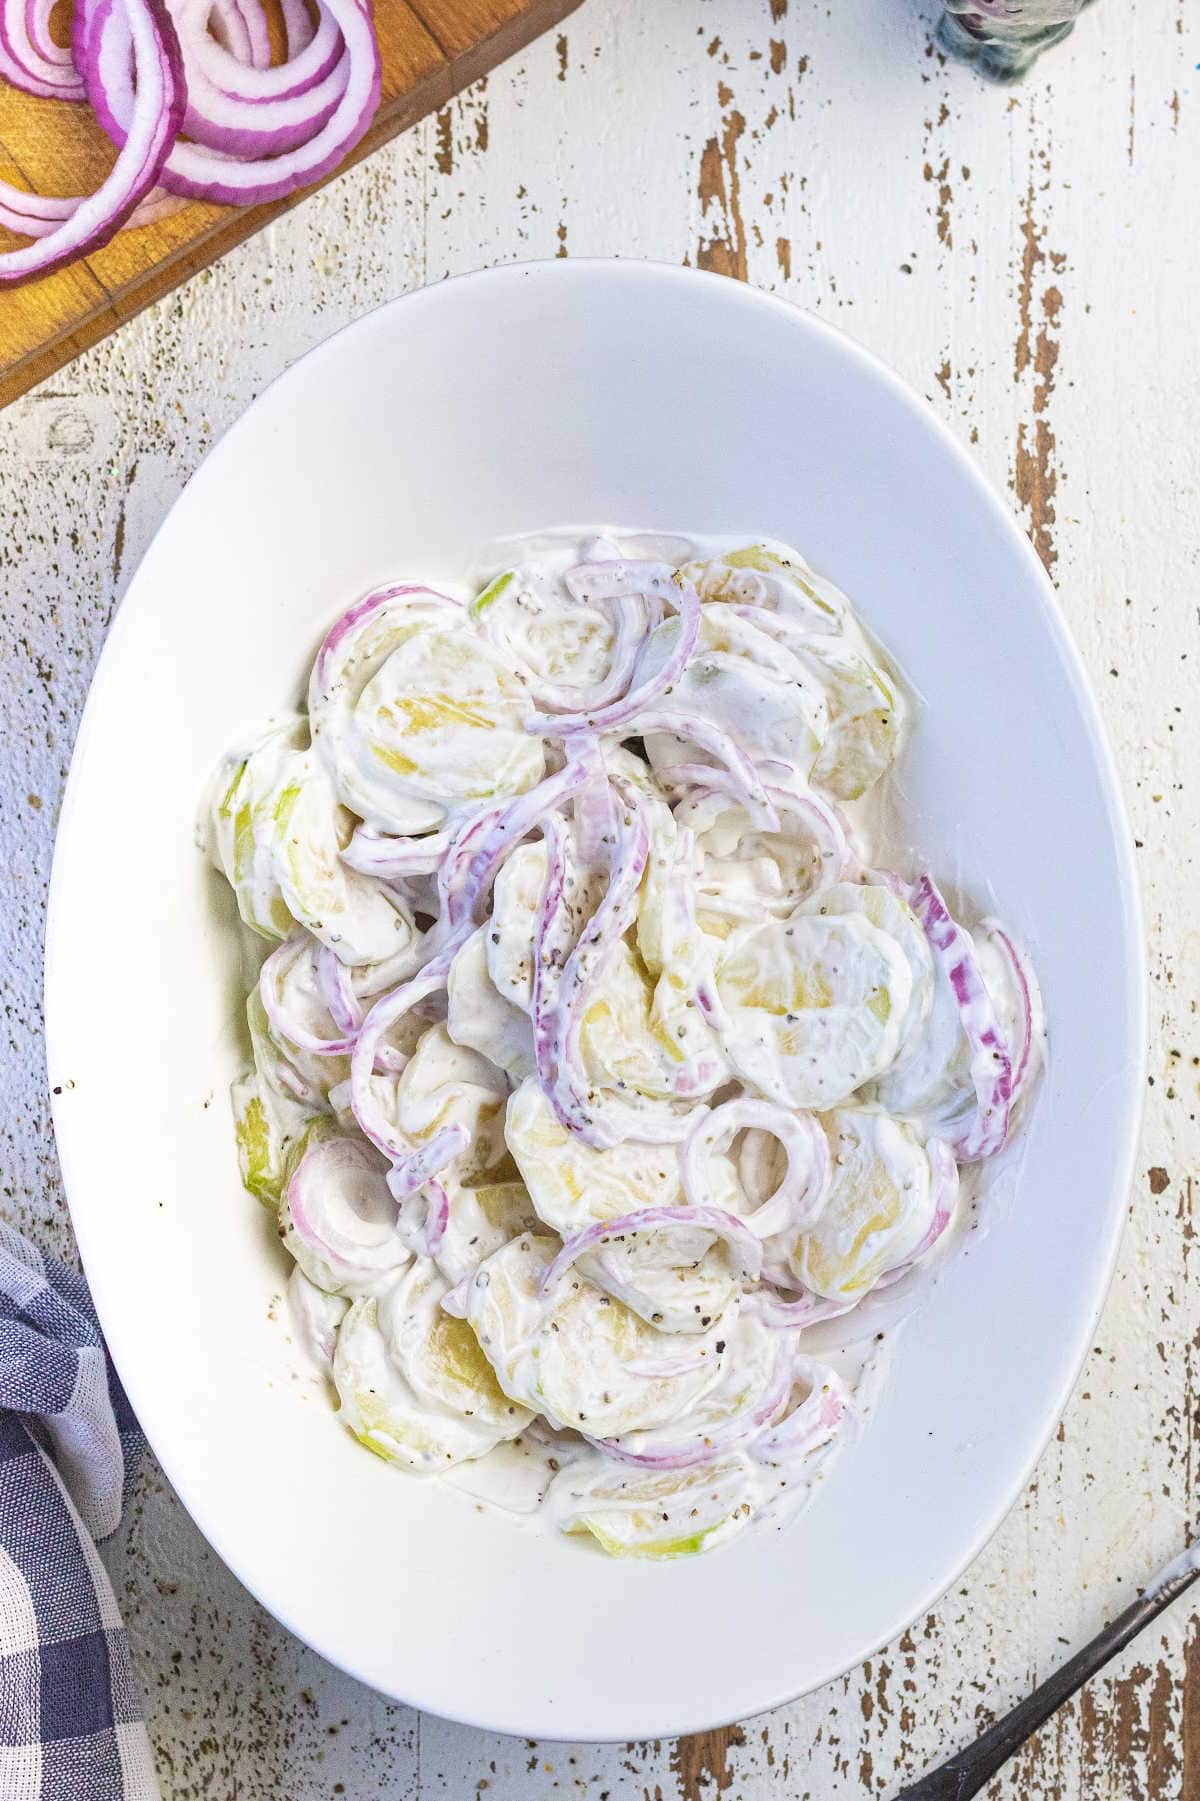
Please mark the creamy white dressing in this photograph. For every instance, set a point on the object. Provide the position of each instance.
(489, 1026)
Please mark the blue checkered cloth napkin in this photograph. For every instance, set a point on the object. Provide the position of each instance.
(71, 1724)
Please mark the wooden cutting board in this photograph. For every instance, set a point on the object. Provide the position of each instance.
(431, 49)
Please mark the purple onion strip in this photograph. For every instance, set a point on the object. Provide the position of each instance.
(622, 712)
(746, 1248)
(991, 1065)
(713, 1444)
(799, 1200)
(746, 782)
(1029, 999)
(370, 853)
(813, 1423)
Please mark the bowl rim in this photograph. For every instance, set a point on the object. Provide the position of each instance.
(57, 1007)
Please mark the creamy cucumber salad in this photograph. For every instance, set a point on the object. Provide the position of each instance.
(595, 1066)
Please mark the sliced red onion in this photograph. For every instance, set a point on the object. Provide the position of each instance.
(372, 853)
(798, 1202)
(595, 806)
(278, 114)
(312, 57)
(38, 14)
(240, 27)
(270, 977)
(823, 821)
(551, 934)
(991, 1066)
(813, 1424)
(746, 1248)
(29, 57)
(809, 1310)
(298, 27)
(1029, 1001)
(631, 631)
(153, 115)
(624, 579)
(944, 1171)
(424, 1216)
(437, 1218)
(337, 991)
(746, 783)
(327, 667)
(372, 1120)
(411, 1170)
(334, 1199)
(606, 1120)
(202, 173)
(290, 1079)
(711, 1445)
(601, 1120)
(567, 1092)
(270, 981)
(469, 867)
(38, 215)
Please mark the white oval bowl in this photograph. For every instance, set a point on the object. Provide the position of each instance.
(501, 402)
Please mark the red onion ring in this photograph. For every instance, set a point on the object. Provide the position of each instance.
(631, 632)
(373, 1122)
(944, 1170)
(714, 1444)
(551, 933)
(281, 1025)
(278, 116)
(240, 27)
(337, 991)
(312, 57)
(29, 57)
(201, 173)
(371, 853)
(347, 1255)
(153, 118)
(624, 579)
(38, 14)
(37, 215)
(595, 813)
(991, 1065)
(820, 818)
(387, 1057)
(328, 664)
(482, 843)
(411, 1172)
(425, 1233)
(809, 1310)
(813, 1423)
(596, 944)
(746, 784)
(1029, 1000)
(799, 1200)
(746, 1248)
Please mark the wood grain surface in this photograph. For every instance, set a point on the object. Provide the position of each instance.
(430, 49)
(1028, 260)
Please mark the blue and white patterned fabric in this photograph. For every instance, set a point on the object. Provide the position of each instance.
(71, 1725)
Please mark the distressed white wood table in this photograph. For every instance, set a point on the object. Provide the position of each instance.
(1029, 260)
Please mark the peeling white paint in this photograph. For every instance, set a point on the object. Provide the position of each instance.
(829, 152)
